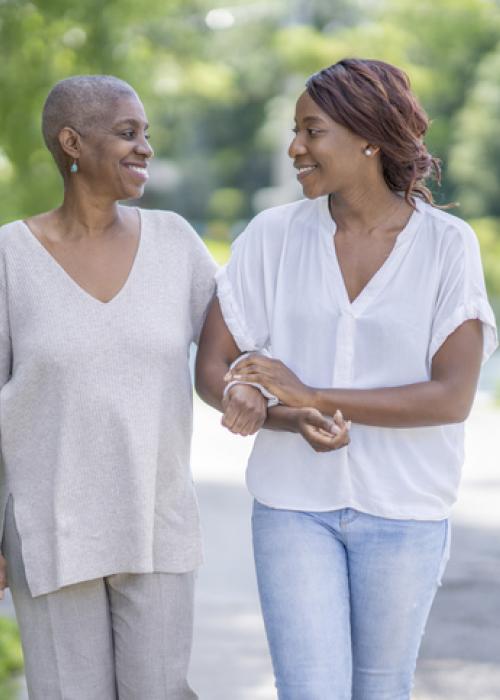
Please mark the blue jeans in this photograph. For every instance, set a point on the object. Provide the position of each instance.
(345, 598)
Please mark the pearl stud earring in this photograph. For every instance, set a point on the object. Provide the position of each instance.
(368, 151)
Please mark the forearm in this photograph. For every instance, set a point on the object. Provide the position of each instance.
(282, 418)
(210, 382)
(414, 405)
(216, 351)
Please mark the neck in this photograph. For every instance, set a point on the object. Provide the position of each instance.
(84, 215)
(365, 208)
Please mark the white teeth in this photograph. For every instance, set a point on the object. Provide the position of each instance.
(306, 168)
(139, 170)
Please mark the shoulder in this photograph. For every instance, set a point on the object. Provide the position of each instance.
(447, 229)
(171, 229)
(10, 234)
(284, 215)
(175, 239)
(166, 222)
(270, 227)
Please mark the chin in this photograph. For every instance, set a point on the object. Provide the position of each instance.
(311, 193)
(136, 193)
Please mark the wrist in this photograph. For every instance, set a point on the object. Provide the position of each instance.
(309, 397)
(271, 399)
(284, 418)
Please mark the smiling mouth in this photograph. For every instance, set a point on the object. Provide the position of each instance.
(139, 170)
(304, 170)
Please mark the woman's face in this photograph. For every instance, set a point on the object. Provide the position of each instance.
(115, 152)
(329, 158)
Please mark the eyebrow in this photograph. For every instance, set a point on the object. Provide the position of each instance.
(132, 121)
(312, 120)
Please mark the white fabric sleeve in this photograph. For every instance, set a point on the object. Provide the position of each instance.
(5, 372)
(462, 295)
(202, 284)
(245, 291)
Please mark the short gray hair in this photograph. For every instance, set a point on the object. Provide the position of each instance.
(78, 102)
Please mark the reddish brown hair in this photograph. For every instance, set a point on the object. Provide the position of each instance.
(373, 99)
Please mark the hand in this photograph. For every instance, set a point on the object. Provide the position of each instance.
(3, 576)
(275, 377)
(323, 434)
(245, 409)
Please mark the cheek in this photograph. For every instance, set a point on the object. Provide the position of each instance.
(98, 161)
(344, 161)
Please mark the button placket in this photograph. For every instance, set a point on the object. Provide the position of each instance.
(344, 353)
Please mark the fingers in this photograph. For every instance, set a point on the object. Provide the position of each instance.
(251, 365)
(338, 419)
(245, 424)
(342, 439)
(321, 422)
(240, 427)
(254, 366)
(325, 434)
(256, 377)
(256, 363)
(245, 410)
(320, 439)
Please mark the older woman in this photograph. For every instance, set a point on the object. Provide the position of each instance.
(372, 301)
(98, 306)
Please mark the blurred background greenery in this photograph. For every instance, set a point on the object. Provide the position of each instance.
(219, 85)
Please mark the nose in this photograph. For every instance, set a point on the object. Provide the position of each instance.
(296, 147)
(144, 148)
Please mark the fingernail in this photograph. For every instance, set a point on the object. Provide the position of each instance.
(338, 413)
(349, 423)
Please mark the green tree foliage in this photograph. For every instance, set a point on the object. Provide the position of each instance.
(438, 43)
(11, 656)
(475, 153)
(488, 232)
(219, 87)
(42, 42)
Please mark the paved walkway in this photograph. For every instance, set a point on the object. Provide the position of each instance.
(460, 658)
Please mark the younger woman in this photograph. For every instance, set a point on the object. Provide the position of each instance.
(372, 301)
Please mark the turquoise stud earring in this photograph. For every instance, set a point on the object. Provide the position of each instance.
(74, 167)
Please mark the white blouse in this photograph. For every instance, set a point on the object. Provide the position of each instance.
(283, 291)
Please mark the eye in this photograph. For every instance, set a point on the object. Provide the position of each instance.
(147, 136)
(128, 134)
(295, 130)
(314, 132)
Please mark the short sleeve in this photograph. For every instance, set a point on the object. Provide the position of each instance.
(245, 291)
(462, 294)
(5, 334)
(202, 284)
(5, 372)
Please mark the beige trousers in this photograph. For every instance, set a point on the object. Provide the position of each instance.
(123, 637)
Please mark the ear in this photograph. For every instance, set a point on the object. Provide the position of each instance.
(70, 142)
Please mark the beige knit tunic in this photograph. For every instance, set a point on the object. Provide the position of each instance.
(96, 407)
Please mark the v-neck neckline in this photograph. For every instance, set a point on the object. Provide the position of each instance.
(384, 273)
(72, 282)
